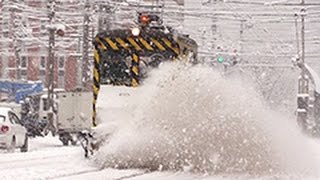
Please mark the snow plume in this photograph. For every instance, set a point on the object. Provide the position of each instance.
(194, 119)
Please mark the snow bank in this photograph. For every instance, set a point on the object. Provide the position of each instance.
(193, 119)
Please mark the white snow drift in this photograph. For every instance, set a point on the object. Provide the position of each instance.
(194, 119)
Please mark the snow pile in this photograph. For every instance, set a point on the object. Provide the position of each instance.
(193, 119)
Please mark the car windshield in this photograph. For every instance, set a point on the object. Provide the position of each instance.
(2, 118)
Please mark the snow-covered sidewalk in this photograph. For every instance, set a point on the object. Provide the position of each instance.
(46, 159)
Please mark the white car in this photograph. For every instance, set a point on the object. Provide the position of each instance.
(12, 133)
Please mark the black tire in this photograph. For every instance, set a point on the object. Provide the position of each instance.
(63, 138)
(65, 142)
(25, 146)
(74, 142)
(45, 132)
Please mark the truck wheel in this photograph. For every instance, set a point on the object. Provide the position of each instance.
(64, 138)
(24, 148)
(65, 142)
(74, 142)
(46, 131)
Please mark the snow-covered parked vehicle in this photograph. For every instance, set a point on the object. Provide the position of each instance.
(72, 114)
(12, 133)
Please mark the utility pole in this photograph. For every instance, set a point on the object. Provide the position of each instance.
(242, 28)
(6, 57)
(303, 11)
(297, 35)
(51, 63)
(104, 17)
(85, 47)
(303, 82)
(16, 43)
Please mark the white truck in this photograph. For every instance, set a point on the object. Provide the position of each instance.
(72, 114)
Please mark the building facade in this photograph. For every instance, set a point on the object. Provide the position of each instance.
(24, 41)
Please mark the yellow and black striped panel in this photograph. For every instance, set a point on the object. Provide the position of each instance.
(112, 44)
(134, 44)
(148, 43)
(122, 43)
(129, 44)
(96, 84)
(158, 44)
(135, 70)
(100, 44)
(170, 45)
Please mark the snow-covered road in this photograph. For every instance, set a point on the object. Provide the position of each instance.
(48, 159)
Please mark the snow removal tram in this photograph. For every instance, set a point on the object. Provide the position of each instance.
(123, 56)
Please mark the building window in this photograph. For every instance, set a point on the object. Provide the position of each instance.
(214, 29)
(23, 63)
(24, 20)
(6, 34)
(5, 28)
(43, 25)
(61, 63)
(43, 62)
(43, 29)
(42, 72)
(45, 104)
(23, 73)
(61, 73)
(61, 79)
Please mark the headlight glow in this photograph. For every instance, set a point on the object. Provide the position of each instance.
(135, 31)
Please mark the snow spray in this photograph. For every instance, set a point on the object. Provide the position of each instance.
(192, 118)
